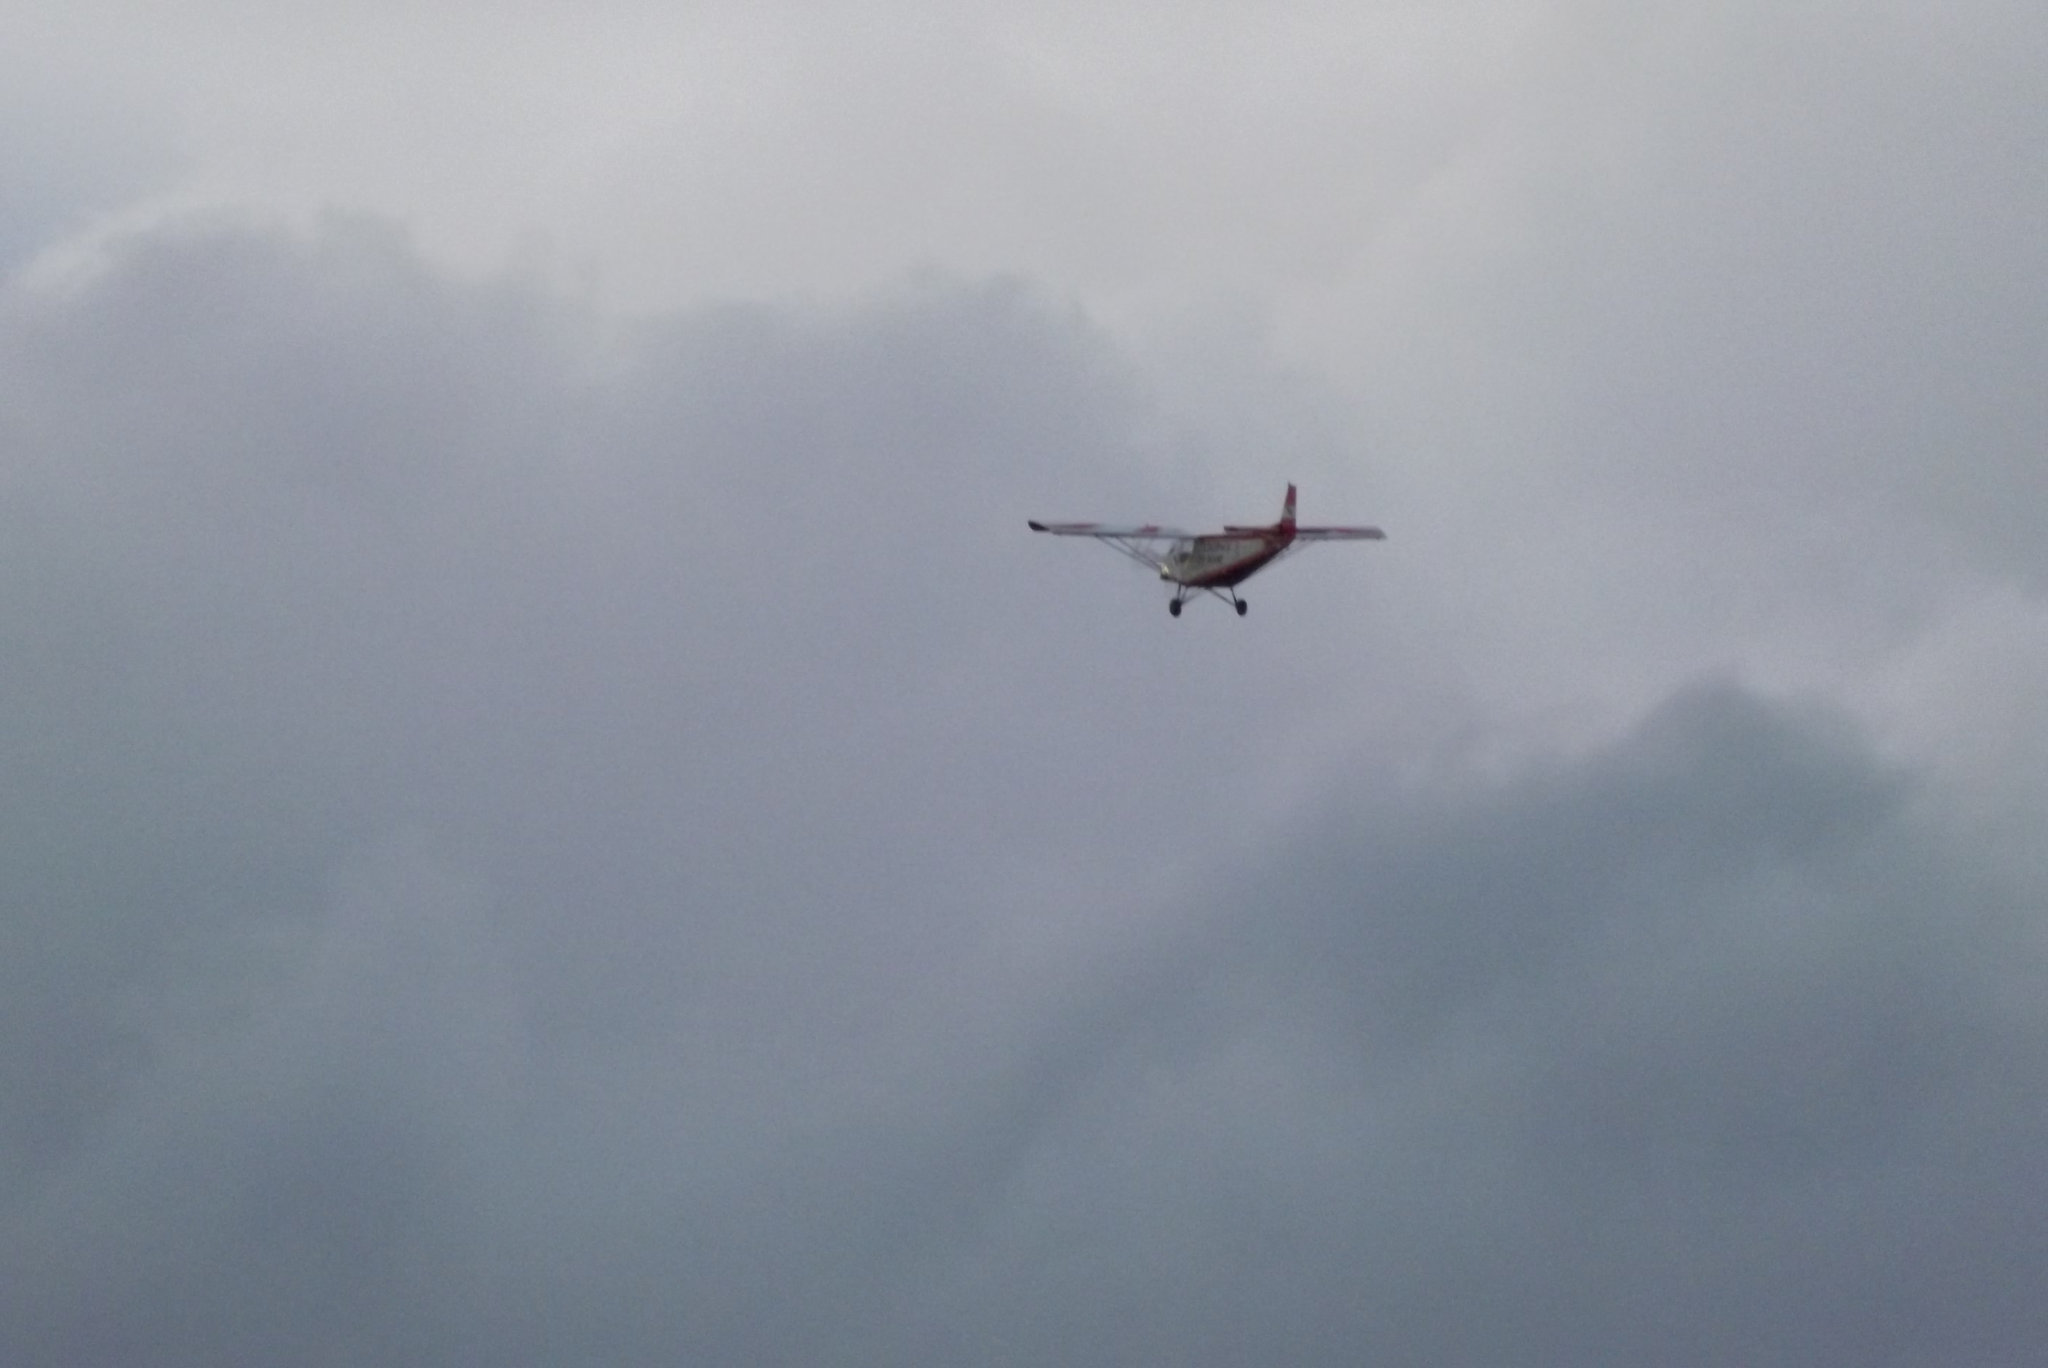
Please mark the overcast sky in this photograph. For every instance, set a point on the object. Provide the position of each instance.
(554, 812)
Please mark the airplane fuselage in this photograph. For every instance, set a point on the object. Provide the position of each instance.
(1220, 562)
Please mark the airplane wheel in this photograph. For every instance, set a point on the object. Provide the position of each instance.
(1241, 606)
(1173, 607)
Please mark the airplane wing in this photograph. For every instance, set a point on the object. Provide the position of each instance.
(1144, 543)
(1142, 532)
(1305, 537)
(1339, 534)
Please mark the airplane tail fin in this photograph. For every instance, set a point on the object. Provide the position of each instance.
(1287, 511)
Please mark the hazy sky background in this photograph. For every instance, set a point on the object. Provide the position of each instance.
(555, 813)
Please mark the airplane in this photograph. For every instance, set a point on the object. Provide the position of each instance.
(1212, 562)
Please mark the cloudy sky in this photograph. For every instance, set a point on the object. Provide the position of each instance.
(556, 814)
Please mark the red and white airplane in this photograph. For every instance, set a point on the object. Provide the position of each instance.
(1215, 562)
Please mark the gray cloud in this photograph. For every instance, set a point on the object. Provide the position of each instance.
(533, 842)
(1694, 1050)
(64, 158)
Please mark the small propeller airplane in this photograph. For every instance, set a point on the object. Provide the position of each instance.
(1211, 562)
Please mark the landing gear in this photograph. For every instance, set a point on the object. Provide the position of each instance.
(1174, 604)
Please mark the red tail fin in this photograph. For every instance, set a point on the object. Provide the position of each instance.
(1287, 511)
